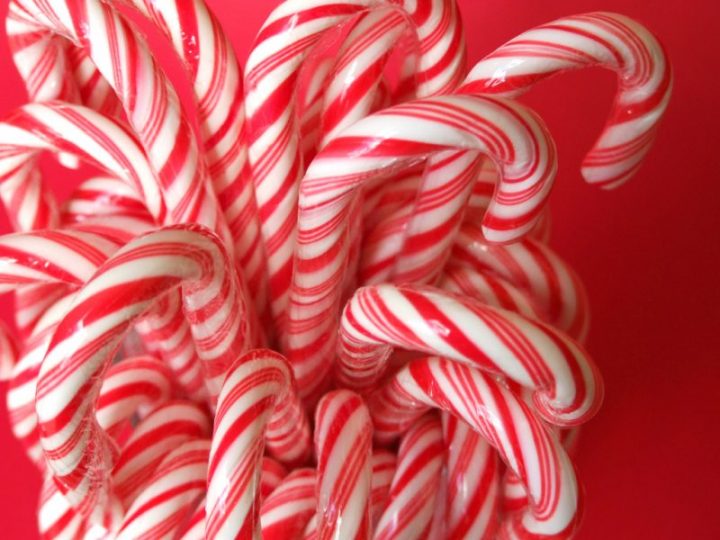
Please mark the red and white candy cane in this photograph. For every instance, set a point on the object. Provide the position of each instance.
(101, 141)
(150, 102)
(416, 482)
(118, 402)
(286, 512)
(129, 385)
(53, 69)
(358, 70)
(256, 393)
(567, 385)
(211, 64)
(171, 495)
(107, 206)
(287, 37)
(421, 234)
(163, 429)
(536, 269)
(56, 518)
(384, 465)
(472, 488)
(63, 257)
(217, 85)
(122, 290)
(77, 130)
(380, 144)
(271, 477)
(526, 446)
(488, 289)
(343, 433)
(601, 39)
(23, 382)
(48, 264)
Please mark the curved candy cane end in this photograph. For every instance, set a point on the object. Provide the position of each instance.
(554, 411)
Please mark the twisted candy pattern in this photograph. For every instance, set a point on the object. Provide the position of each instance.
(356, 200)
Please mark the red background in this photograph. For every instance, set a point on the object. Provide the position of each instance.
(647, 253)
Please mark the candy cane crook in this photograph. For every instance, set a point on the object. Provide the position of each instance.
(568, 388)
(609, 40)
(380, 144)
(121, 291)
(255, 396)
(528, 448)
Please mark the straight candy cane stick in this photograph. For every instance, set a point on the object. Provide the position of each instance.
(149, 101)
(416, 482)
(289, 34)
(344, 473)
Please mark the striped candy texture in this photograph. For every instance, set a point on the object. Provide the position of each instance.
(318, 303)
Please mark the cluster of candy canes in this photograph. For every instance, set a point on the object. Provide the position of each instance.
(357, 234)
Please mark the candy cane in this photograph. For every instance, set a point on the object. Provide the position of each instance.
(473, 479)
(104, 197)
(72, 129)
(488, 289)
(384, 465)
(421, 236)
(211, 64)
(164, 429)
(149, 101)
(129, 385)
(286, 512)
(122, 217)
(342, 443)
(170, 496)
(568, 388)
(81, 131)
(58, 257)
(593, 39)
(44, 63)
(57, 519)
(42, 267)
(532, 266)
(257, 387)
(358, 69)
(288, 35)
(217, 85)
(133, 279)
(419, 129)
(23, 383)
(271, 478)
(531, 451)
(416, 482)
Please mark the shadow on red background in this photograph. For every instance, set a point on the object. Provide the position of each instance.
(648, 253)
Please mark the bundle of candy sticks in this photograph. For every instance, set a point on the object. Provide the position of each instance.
(329, 312)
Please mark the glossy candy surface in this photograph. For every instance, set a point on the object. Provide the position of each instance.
(195, 354)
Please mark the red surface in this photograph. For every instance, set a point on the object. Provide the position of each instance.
(647, 252)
